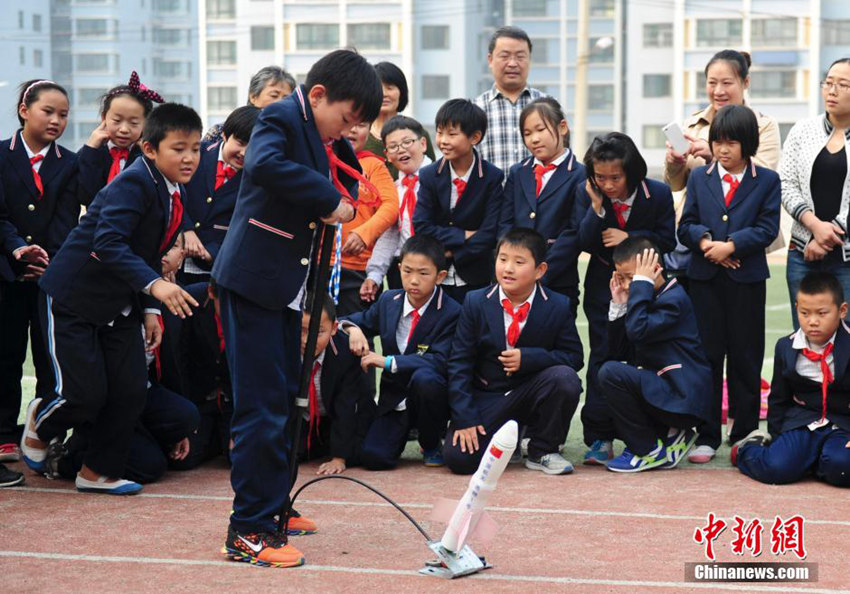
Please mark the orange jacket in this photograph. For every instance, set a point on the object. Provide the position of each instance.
(372, 219)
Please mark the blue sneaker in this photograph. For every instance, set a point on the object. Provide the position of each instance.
(629, 462)
(600, 452)
(433, 458)
(678, 446)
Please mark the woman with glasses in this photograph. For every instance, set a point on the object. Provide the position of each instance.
(816, 186)
(395, 100)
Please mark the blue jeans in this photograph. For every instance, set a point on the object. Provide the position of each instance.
(798, 268)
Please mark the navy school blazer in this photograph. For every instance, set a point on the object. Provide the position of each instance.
(9, 238)
(477, 210)
(795, 401)
(751, 221)
(208, 211)
(94, 164)
(551, 215)
(659, 333)
(285, 189)
(428, 347)
(651, 216)
(46, 221)
(346, 395)
(548, 338)
(114, 252)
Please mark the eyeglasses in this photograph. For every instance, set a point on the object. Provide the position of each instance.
(404, 144)
(840, 87)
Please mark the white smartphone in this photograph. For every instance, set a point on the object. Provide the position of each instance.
(676, 137)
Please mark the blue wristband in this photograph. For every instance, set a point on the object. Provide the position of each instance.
(388, 364)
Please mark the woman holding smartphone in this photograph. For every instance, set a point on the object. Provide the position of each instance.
(727, 76)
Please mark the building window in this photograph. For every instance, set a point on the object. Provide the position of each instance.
(653, 137)
(22, 55)
(20, 19)
(262, 38)
(719, 32)
(36, 22)
(91, 27)
(316, 36)
(93, 62)
(222, 98)
(89, 97)
(221, 9)
(530, 8)
(168, 36)
(435, 86)
(658, 35)
(168, 5)
(835, 32)
(435, 37)
(601, 8)
(774, 32)
(773, 84)
(601, 50)
(540, 55)
(221, 53)
(62, 62)
(600, 97)
(167, 69)
(84, 129)
(37, 58)
(656, 85)
(369, 36)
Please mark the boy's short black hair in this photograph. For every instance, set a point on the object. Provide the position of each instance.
(400, 122)
(736, 123)
(462, 113)
(241, 122)
(631, 247)
(347, 76)
(616, 146)
(818, 281)
(425, 245)
(527, 238)
(511, 32)
(169, 117)
(390, 74)
(328, 306)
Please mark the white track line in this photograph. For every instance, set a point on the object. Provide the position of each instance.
(402, 572)
(520, 510)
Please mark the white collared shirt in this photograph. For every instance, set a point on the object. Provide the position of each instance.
(722, 173)
(31, 154)
(406, 224)
(548, 175)
(507, 317)
(453, 278)
(402, 331)
(630, 201)
(811, 369)
(122, 162)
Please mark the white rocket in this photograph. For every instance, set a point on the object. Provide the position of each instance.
(469, 517)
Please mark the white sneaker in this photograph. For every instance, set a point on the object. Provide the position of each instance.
(119, 487)
(33, 457)
(553, 463)
(701, 454)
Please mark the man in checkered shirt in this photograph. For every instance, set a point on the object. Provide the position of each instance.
(509, 57)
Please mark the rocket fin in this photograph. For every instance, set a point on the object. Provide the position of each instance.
(443, 510)
(486, 528)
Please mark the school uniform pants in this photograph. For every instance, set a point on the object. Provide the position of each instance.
(101, 383)
(638, 423)
(166, 419)
(19, 322)
(426, 408)
(796, 453)
(596, 418)
(263, 348)
(730, 316)
(545, 404)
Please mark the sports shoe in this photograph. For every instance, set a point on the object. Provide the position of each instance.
(553, 463)
(678, 446)
(299, 525)
(33, 457)
(10, 478)
(433, 458)
(629, 462)
(599, 453)
(265, 549)
(755, 437)
(119, 487)
(10, 452)
(701, 454)
(56, 451)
